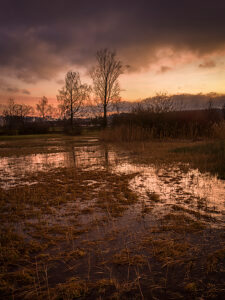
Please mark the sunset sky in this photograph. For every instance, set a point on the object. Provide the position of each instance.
(174, 46)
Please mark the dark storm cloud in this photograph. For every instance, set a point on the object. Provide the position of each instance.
(40, 38)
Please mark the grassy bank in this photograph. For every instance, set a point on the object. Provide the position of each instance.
(29, 136)
(84, 132)
(208, 156)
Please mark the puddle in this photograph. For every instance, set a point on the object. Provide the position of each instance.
(15, 169)
(190, 191)
(161, 187)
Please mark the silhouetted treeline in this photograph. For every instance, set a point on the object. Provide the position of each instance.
(28, 125)
(23, 119)
(17, 125)
(158, 118)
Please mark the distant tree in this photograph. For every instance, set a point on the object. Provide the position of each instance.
(72, 95)
(24, 110)
(105, 79)
(43, 107)
(15, 114)
(17, 110)
(10, 109)
(161, 103)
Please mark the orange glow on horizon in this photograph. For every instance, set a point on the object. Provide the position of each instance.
(171, 73)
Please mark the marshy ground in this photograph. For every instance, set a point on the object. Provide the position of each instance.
(86, 220)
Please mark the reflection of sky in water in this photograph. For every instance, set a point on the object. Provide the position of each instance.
(13, 169)
(190, 189)
(170, 182)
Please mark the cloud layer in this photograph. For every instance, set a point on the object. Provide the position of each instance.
(12, 89)
(39, 39)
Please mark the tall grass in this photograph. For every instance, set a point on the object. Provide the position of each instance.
(126, 133)
(142, 125)
(218, 130)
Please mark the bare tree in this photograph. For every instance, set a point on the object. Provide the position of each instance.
(43, 107)
(24, 110)
(17, 110)
(10, 108)
(72, 95)
(105, 79)
(15, 114)
(161, 103)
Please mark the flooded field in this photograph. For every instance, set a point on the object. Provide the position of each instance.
(85, 220)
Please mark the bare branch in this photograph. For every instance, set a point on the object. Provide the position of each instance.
(44, 108)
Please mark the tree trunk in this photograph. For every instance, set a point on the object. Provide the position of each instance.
(105, 103)
(105, 116)
(71, 119)
(71, 112)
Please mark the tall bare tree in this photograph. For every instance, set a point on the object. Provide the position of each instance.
(72, 95)
(43, 107)
(105, 79)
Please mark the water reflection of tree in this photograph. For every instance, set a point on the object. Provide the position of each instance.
(97, 157)
(106, 156)
(74, 160)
